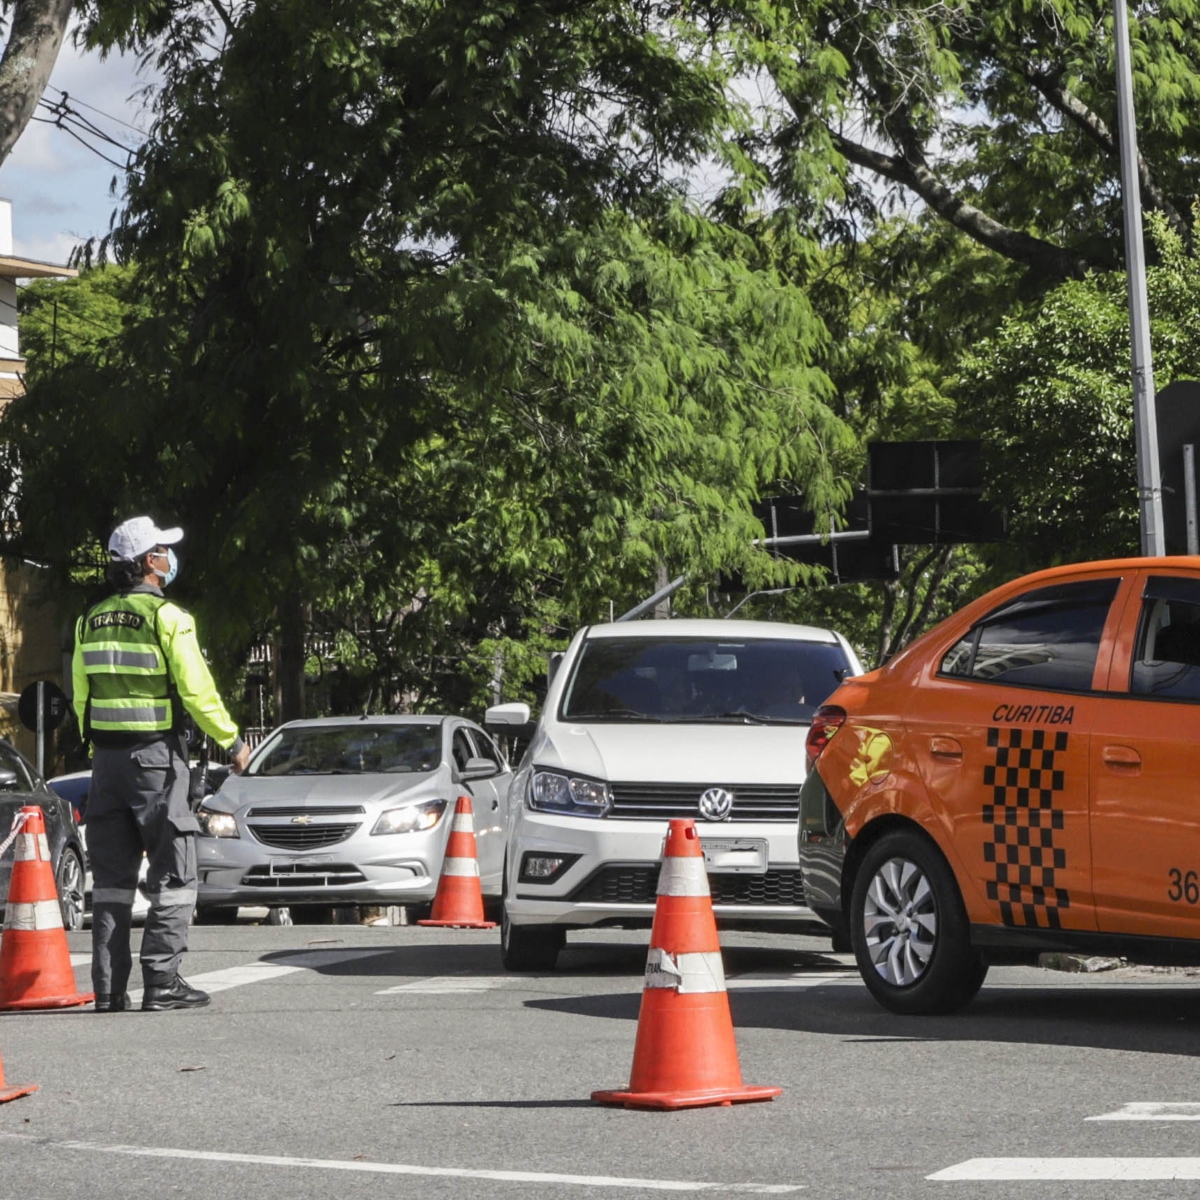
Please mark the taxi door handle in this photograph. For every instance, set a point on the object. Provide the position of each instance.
(1121, 758)
(946, 747)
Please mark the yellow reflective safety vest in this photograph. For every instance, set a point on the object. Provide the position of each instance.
(137, 666)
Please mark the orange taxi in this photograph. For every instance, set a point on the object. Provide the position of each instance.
(1023, 778)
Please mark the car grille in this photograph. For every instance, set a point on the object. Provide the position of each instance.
(659, 801)
(303, 837)
(300, 810)
(302, 875)
(639, 885)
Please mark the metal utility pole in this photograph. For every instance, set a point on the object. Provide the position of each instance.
(1144, 423)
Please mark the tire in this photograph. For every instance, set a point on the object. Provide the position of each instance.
(215, 916)
(69, 880)
(910, 931)
(279, 915)
(529, 947)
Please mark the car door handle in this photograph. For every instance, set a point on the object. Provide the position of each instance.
(1121, 758)
(946, 747)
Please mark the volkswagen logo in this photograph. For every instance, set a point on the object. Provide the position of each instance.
(716, 804)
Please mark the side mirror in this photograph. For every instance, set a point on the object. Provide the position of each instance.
(9, 781)
(507, 715)
(478, 768)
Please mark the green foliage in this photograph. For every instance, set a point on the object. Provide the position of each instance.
(1052, 397)
(425, 339)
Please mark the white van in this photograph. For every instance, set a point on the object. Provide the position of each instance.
(650, 720)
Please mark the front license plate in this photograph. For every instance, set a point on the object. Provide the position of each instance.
(282, 866)
(732, 855)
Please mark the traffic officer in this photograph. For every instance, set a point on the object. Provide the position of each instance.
(137, 668)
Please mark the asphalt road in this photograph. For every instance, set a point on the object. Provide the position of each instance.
(402, 1062)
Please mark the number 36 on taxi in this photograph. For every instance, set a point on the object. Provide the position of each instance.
(1023, 778)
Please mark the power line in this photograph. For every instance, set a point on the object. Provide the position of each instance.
(84, 104)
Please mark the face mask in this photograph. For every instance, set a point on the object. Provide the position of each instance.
(172, 567)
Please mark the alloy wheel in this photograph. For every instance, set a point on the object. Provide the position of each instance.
(70, 891)
(900, 921)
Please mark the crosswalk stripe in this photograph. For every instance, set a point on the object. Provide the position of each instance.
(1153, 1110)
(797, 980)
(1081, 1169)
(448, 985)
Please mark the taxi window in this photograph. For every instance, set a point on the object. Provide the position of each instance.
(1167, 662)
(1048, 638)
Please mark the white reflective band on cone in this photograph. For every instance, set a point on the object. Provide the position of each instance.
(113, 895)
(463, 823)
(683, 877)
(41, 914)
(28, 845)
(686, 973)
(460, 866)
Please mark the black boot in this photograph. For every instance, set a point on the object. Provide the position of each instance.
(106, 1003)
(176, 994)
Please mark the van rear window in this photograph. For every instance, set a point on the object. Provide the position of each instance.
(684, 680)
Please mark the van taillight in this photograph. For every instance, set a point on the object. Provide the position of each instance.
(827, 720)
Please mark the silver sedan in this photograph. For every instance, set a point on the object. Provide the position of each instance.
(350, 810)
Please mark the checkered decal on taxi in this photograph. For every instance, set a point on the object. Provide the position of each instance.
(1024, 780)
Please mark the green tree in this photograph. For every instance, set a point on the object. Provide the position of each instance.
(427, 345)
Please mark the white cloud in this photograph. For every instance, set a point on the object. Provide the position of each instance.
(60, 189)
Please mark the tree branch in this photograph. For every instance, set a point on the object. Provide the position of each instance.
(1044, 257)
(33, 44)
(1092, 124)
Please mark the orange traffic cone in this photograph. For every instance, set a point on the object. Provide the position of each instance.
(13, 1090)
(35, 963)
(685, 1055)
(459, 899)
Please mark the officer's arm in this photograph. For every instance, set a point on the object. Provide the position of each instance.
(79, 679)
(193, 680)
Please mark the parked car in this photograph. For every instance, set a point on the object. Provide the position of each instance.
(74, 788)
(645, 721)
(350, 810)
(22, 786)
(1021, 779)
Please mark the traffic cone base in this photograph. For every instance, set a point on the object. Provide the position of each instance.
(685, 1055)
(35, 961)
(14, 1090)
(459, 900)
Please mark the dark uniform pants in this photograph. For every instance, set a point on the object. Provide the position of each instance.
(139, 801)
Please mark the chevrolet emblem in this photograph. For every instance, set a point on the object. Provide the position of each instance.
(302, 820)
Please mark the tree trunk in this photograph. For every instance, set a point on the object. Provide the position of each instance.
(34, 39)
(289, 662)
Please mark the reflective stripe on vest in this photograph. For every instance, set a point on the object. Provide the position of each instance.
(112, 658)
(130, 714)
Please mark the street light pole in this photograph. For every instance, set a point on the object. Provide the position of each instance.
(1144, 424)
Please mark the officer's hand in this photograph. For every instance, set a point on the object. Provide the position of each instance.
(241, 760)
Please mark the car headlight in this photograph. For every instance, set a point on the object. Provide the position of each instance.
(412, 818)
(552, 791)
(216, 824)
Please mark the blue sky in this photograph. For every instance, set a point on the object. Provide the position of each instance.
(61, 190)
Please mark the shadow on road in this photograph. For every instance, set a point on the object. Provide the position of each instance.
(1110, 1017)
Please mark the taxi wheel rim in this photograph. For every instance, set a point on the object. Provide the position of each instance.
(70, 889)
(900, 922)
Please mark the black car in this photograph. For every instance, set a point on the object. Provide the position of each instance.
(20, 786)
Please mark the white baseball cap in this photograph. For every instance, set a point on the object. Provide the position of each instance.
(131, 539)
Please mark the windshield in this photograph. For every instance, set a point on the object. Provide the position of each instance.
(772, 681)
(350, 750)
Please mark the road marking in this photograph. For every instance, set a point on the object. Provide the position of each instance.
(1130, 1169)
(1153, 1110)
(80, 960)
(449, 985)
(379, 1168)
(765, 980)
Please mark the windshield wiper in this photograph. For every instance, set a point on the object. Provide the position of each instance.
(614, 714)
(741, 715)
